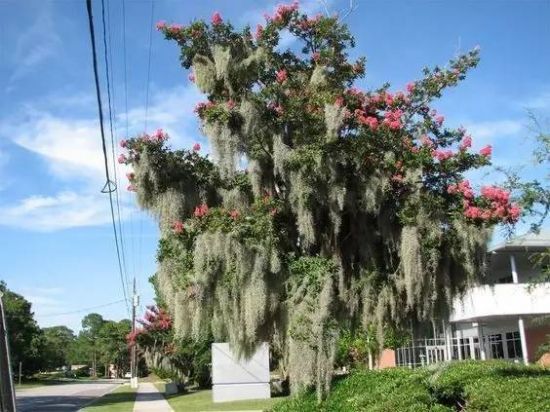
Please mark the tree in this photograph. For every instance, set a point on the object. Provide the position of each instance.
(352, 209)
(58, 340)
(89, 335)
(25, 338)
(112, 347)
(169, 356)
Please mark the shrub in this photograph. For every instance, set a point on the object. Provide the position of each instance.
(467, 386)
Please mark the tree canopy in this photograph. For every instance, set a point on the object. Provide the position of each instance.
(323, 205)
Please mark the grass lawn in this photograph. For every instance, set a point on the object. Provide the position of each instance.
(120, 400)
(202, 401)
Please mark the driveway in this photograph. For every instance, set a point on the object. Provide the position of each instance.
(63, 397)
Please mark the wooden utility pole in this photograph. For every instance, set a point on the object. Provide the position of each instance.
(7, 392)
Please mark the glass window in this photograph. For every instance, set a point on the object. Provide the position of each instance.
(513, 343)
(495, 342)
(465, 348)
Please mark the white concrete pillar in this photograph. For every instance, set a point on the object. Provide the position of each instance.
(513, 268)
(448, 336)
(482, 353)
(524, 350)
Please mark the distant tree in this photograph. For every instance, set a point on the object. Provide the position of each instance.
(91, 327)
(26, 340)
(58, 340)
(112, 345)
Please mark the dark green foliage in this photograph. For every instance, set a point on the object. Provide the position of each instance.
(26, 340)
(462, 386)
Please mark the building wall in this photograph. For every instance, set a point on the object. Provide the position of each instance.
(535, 337)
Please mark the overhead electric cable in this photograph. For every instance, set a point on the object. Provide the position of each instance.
(49, 315)
(113, 157)
(149, 63)
(108, 188)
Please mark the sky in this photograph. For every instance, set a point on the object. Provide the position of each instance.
(56, 239)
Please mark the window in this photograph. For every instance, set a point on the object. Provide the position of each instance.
(513, 343)
(465, 348)
(495, 343)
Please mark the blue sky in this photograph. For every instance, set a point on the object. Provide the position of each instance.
(57, 244)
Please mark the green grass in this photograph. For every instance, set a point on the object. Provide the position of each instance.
(202, 401)
(120, 400)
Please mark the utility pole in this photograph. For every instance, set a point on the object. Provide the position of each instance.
(7, 393)
(133, 360)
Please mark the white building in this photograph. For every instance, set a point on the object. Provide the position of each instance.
(503, 318)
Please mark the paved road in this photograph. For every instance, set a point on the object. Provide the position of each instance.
(61, 398)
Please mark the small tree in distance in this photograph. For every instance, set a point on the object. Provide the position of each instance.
(351, 207)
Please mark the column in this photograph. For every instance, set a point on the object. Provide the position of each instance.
(448, 336)
(524, 351)
(480, 339)
(513, 268)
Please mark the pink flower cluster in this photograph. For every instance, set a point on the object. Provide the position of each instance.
(196, 147)
(442, 155)
(493, 205)
(178, 227)
(259, 31)
(202, 106)
(309, 23)
(217, 19)
(466, 142)
(234, 214)
(201, 210)
(486, 151)
(281, 76)
(392, 119)
(282, 12)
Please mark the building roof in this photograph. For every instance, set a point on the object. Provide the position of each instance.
(530, 241)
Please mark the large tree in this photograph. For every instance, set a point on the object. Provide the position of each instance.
(58, 340)
(26, 340)
(324, 205)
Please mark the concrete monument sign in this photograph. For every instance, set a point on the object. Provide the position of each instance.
(236, 379)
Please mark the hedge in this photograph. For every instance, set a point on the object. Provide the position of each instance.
(468, 386)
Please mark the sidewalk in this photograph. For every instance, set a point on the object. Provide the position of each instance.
(149, 399)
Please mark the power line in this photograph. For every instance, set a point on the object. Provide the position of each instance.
(120, 231)
(83, 309)
(149, 63)
(109, 184)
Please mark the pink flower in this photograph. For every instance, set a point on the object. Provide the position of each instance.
(123, 143)
(281, 76)
(514, 213)
(339, 101)
(191, 77)
(439, 120)
(196, 147)
(472, 212)
(273, 211)
(259, 31)
(130, 176)
(201, 210)
(177, 227)
(410, 87)
(486, 151)
(466, 142)
(161, 25)
(426, 141)
(388, 99)
(122, 159)
(316, 56)
(217, 19)
(442, 155)
(160, 135)
(231, 104)
(131, 188)
(234, 214)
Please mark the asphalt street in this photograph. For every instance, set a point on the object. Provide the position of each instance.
(62, 398)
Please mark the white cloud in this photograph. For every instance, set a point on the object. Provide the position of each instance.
(71, 149)
(61, 211)
(490, 130)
